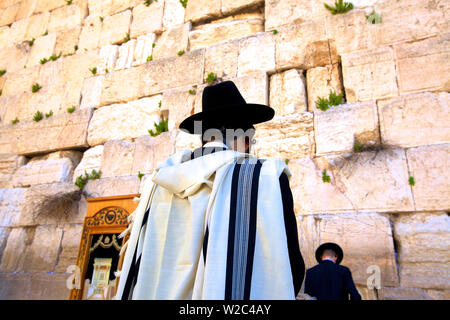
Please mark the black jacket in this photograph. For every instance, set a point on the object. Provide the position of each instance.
(330, 281)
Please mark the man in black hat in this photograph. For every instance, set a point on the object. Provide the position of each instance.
(329, 280)
(236, 235)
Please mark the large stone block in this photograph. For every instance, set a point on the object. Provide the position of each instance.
(91, 92)
(288, 92)
(13, 58)
(26, 9)
(261, 46)
(19, 240)
(172, 41)
(9, 163)
(151, 151)
(143, 49)
(173, 14)
(424, 65)
(424, 243)
(338, 128)
(4, 234)
(180, 104)
(92, 160)
(117, 160)
(214, 33)
(285, 137)
(109, 54)
(8, 15)
(90, 33)
(232, 6)
(48, 5)
(11, 202)
(159, 75)
(349, 190)
(222, 59)
(4, 36)
(112, 186)
(77, 67)
(429, 166)
(66, 41)
(38, 25)
(43, 47)
(19, 82)
(51, 74)
(186, 141)
(65, 18)
(69, 247)
(52, 168)
(125, 55)
(302, 46)
(369, 74)
(389, 293)
(63, 131)
(115, 28)
(201, 10)
(147, 19)
(280, 13)
(415, 119)
(366, 240)
(108, 122)
(320, 81)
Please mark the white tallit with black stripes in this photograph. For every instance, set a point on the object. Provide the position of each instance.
(209, 228)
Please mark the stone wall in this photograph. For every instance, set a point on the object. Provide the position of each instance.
(122, 65)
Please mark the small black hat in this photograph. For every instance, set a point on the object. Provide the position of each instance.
(330, 245)
(224, 106)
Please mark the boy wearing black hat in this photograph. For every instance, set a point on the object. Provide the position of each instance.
(329, 280)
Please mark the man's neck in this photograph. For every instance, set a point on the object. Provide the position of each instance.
(328, 259)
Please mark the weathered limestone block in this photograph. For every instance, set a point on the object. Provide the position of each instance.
(51, 73)
(172, 72)
(117, 160)
(43, 47)
(38, 25)
(151, 151)
(62, 131)
(424, 242)
(90, 33)
(114, 91)
(69, 247)
(65, 18)
(115, 6)
(8, 3)
(321, 80)
(66, 41)
(338, 128)
(92, 160)
(107, 122)
(18, 31)
(11, 202)
(19, 82)
(13, 58)
(26, 9)
(4, 36)
(42, 253)
(91, 92)
(285, 137)
(112, 186)
(77, 67)
(180, 103)
(365, 238)
(125, 55)
(48, 5)
(302, 46)
(366, 293)
(348, 190)
(8, 15)
(173, 14)
(279, 13)
(9, 163)
(232, 6)
(214, 33)
(188, 141)
(261, 46)
(222, 59)
(143, 49)
(424, 65)
(53, 168)
(109, 54)
(115, 28)
(389, 293)
(369, 74)
(200, 10)
(19, 240)
(439, 294)
(172, 41)
(429, 166)
(288, 92)
(4, 234)
(415, 119)
(147, 19)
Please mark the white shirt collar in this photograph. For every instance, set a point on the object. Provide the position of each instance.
(213, 144)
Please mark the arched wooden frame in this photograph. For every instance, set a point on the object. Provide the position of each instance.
(105, 215)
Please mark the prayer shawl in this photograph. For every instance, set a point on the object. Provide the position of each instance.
(209, 228)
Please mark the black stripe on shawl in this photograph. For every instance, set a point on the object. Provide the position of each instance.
(205, 244)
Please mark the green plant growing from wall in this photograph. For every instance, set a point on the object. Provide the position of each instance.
(93, 70)
(374, 18)
(43, 61)
(2, 72)
(153, 45)
(162, 126)
(101, 19)
(81, 180)
(1, 91)
(184, 3)
(35, 87)
(75, 47)
(149, 58)
(275, 31)
(31, 42)
(127, 37)
(71, 109)
(192, 91)
(140, 175)
(38, 116)
(69, 2)
(325, 177)
(357, 147)
(339, 7)
(55, 57)
(48, 115)
(211, 78)
(411, 181)
(148, 2)
(15, 121)
(333, 100)
(180, 53)
(286, 161)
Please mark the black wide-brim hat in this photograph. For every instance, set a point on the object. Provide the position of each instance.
(224, 106)
(333, 246)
